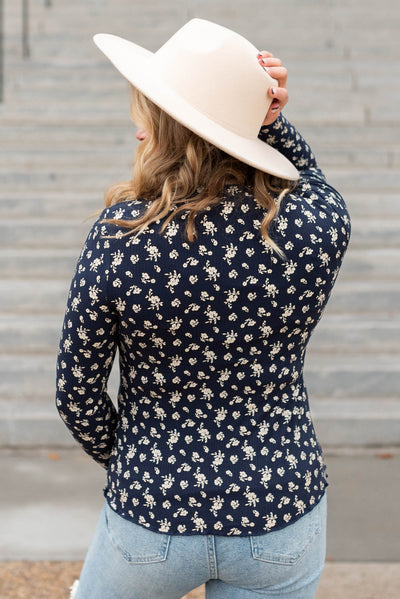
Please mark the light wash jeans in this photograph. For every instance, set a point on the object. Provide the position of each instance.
(127, 561)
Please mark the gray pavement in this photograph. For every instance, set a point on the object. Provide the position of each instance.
(359, 581)
(50, 502)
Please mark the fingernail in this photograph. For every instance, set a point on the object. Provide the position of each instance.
(273, 91)
(264, 60)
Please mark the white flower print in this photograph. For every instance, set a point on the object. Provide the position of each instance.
(266, 475)
(270, 521)
(218, 460)
(173, 279)
(213, 418)
(201, 479)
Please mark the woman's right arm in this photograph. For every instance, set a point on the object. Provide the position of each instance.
(312, 187)
(312, 192)
(285, 138)
(276, 129)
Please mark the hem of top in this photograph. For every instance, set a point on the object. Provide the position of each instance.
(220, 534)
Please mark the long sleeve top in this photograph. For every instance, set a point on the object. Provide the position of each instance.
(212, 432)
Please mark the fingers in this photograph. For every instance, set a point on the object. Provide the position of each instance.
(280, 97)
(274, 67)
(264, 53)
(279, 93)
(270, 61)
(279, 73)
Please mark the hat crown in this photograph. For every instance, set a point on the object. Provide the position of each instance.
(216, 70)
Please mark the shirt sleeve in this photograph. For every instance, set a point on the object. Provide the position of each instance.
(86, 352)
(312, 187)
(284, 137)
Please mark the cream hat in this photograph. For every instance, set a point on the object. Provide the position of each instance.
(208, 78)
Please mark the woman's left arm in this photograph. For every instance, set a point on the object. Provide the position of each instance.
(86, 353)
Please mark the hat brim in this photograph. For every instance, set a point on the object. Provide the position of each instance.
(138, 66)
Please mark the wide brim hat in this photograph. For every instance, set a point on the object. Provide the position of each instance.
(208, 78)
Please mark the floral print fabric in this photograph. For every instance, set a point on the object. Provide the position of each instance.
(213, 432)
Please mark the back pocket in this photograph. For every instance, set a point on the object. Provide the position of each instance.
(137, 544)
(289, 544)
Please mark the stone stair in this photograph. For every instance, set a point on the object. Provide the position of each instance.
(66, 136)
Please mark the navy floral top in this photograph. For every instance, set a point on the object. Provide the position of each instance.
(213, 433)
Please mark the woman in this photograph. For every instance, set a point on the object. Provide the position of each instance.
(208, 271)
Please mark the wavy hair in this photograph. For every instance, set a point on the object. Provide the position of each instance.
(177, 171)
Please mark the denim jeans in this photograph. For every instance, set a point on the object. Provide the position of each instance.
(127, 561)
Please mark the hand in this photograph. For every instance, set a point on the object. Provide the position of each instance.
(278, 94)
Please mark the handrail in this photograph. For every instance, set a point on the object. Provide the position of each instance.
(1, 51)
(26, 51)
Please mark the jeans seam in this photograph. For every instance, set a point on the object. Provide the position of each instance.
(211, 557)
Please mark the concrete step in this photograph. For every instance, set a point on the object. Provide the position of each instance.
(357, 179)
(67, 76)
(372, 205)
(58, 136)
(38, 296)
(321, 136)
(367, 156)
(356, 334)
(105, 90)
(355, 376)
(71, 114)
(66, 47)
(66, 80)
(27, 334)
(354, 422)
(106, 155)
(42, 234)
(346, 180)
(47, 233)
(45, 152)
(364, 297)
(38, 263)
(70, 109)
(77, 203)
(370, 135)
(119, 21)
(54, 179)
(371, 264)
(325, 112)
(360, 375)
(50, 38)
(375, 233)
(73, 158)
(41, 297)
(374, 265)
(42, 202)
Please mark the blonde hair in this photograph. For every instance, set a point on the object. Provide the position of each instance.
(177, 171)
